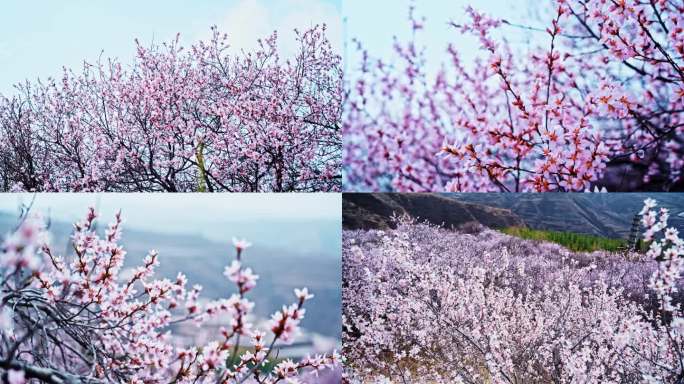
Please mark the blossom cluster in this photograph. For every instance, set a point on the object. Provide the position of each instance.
(427, 304)
(595, 99)
(80, 319)
(199, 119)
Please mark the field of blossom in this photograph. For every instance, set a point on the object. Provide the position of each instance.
(423, 304)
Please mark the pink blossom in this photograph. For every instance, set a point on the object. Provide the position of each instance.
(595, 98)
(241, 244)
(182, 119)
(15, 377)
(128, 320)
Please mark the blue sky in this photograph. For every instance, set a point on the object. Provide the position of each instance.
(375, 23)
(38, 37)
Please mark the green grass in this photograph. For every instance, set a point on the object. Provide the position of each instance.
(574, 241)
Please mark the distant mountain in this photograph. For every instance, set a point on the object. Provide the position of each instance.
(203, 261)
(374, 211)
(602, 214)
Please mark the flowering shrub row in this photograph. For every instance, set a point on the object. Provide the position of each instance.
(425, 304)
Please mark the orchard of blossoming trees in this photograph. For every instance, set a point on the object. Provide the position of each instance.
(198, 119)
(78, 319)
(596, 100)
(425, 304)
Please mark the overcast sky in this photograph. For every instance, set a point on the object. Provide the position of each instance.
(140, 208)
(39, 37)
(283, 218)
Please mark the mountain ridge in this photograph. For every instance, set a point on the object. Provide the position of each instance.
(600, 214)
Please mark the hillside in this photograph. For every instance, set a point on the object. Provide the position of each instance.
(374, 211)
(600, 214)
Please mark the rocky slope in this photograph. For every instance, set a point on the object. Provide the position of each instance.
(375, 211)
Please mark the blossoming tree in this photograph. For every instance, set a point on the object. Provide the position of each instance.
(426, 304)
(203, 119)
(78, 319)
(599, 102)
